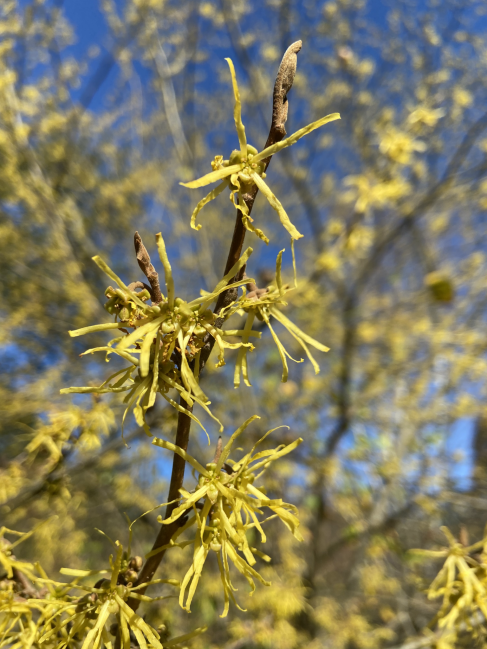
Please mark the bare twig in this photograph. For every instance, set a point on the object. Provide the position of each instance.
(219, 449)
(166, 532)
(284, 81)
(147, 268)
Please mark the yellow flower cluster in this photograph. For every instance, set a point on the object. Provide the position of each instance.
(226, 504)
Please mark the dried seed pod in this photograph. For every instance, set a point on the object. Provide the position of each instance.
(135, 563)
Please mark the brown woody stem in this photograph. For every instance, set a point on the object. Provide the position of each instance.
(147, 268)
(283, 84)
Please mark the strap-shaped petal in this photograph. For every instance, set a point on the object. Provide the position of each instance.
(247, 571)
(247, 222)
(93, 636)
(110, 350)
(161, 247)
(282, 351)
(92, 390)
(206, 299)
(187, 376)
(234, 270)
(237, 111)
(155, 372)
(289, 520)
(209, 197)
(250, 457)
(108, 271)
(197, 566)
(183, 638)
(275, 456)
(186, 395)
(223, 283)
(278, 273)
(140, 332)
(239, 332)
(126, 371)
(213, 176)
(274, 148)
(117, 564)
(100, 327)
(124, 632)
(228, 445)
(311, 359)
(137, 622)
(292, 328)
(294, 264)
(182, 453)
(208, 411)
(145, 352)
(139, 390)
(275, 203)
(241, 364)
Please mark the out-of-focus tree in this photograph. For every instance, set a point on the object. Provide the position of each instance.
(392, 203)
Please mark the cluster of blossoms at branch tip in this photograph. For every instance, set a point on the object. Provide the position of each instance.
(50, 614)
(246, 168)
(462, 585)
(226, 504)
(164, 349)
(265, 304)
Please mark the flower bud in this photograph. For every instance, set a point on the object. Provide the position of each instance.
(124, 314)
(235, 157)
(167, 327)
(212, 493)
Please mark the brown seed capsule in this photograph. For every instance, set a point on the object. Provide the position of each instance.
(130, 576)
(135, 563)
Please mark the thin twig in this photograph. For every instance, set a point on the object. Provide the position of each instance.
(283, 84)
(143, 259)
(219, 449)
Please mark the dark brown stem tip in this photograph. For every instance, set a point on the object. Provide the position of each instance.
(284, 82)
(145, 265)
(219, 448)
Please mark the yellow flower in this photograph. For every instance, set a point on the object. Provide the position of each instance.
(160, 330)
(400, 146)
(90, 616)
(8, 561)
(461, 583)
(264, 304)
(245, 168)
(229, 505)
